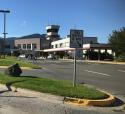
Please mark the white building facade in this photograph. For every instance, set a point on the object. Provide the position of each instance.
(64, 45)
(89, 44)
(66, 42)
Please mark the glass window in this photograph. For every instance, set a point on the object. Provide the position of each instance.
(56, 46)
(24, 46)
(19, 46)
(34, 46)
(7, 46)
(61, 45)
(29, 46)
(52, 30)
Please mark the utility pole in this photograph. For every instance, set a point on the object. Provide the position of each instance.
(4, 33)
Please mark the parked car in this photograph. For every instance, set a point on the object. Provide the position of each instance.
(51, 56)
(22, 56)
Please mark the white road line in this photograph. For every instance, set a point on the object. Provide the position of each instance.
(97, 72)
(121, 70)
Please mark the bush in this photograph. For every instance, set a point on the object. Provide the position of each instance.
(121, 58)
(93, 55)
(13, 70)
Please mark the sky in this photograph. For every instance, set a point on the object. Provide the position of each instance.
(96, 17)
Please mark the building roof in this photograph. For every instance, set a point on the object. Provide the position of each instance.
(10, 38)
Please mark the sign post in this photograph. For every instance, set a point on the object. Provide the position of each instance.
(76, 41)
(74, 77)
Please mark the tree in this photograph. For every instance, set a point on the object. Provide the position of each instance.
(117, 41)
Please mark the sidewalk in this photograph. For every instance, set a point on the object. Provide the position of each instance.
(31, 93)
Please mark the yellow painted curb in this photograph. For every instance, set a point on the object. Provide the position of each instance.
(24, 68)
(3, 66)
(87, 102)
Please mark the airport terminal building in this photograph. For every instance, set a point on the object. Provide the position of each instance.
(52, 43)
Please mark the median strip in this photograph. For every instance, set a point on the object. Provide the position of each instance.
(52, 86)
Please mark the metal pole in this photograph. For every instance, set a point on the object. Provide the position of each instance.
(4, 34)
(74, 77)
(4, 42)
(33, 53)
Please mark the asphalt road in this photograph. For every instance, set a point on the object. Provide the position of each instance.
(108, 77)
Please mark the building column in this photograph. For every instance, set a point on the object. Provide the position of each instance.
(88, 51)
(113, 54)
(31, 46)
(64, 57)
(105, 50)
(99, 56)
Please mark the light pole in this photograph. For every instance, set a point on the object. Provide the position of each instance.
(4, 43)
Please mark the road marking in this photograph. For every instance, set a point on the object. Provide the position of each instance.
(97, 72)
(121, 70)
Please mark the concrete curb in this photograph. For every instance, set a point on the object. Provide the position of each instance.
(87, 102)
(106, 62)
(24, 68)
(92, 61)
(3, 66)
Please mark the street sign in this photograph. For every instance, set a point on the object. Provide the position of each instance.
(76, 38)
(76, 41)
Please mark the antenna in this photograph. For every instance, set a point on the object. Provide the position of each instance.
(74, 26)
(48, 22)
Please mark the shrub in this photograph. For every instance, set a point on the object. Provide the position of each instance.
(121, 58)
(13, 70)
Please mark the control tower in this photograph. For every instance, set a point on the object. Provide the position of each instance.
(52, 32)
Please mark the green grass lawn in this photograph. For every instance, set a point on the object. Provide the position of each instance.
(56, 87)
(12, 60)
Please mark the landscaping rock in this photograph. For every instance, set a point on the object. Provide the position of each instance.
(13, 70)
